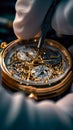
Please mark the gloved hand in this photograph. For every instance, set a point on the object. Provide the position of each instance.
(62, 20)
(30, 15)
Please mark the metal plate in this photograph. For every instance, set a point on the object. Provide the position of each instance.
(23, 63)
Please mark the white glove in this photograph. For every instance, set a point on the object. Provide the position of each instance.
(30, 15)
(62, 21)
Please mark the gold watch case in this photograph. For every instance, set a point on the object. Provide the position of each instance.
(42, 75)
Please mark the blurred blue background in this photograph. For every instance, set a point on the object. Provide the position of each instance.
(7, 14)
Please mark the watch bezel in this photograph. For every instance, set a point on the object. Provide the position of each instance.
(55, 89)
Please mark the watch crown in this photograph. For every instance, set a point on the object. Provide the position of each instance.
(3, 45)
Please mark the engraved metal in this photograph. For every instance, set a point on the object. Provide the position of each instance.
(45, 74)
(24, 64)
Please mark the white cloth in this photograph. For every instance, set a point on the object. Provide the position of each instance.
(30, 14)
(17, 112)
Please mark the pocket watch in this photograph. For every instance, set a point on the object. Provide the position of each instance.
(42, 75)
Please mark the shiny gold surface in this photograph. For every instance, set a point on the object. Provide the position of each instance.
(3, 45)
(28, 82)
